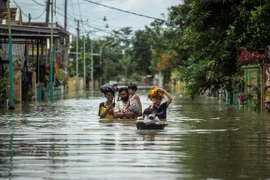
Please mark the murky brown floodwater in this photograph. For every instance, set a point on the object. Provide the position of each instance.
(205, 139)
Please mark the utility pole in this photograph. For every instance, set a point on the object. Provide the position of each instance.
(51, 56)
(77, 50)
(47, 12)
(65, 21)
(92, 66)
(11, 101)
(84, 68)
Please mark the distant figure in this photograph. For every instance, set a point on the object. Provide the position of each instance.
(144, 81)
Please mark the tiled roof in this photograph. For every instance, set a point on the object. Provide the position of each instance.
(4, 14)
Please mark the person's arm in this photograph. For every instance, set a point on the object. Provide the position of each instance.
(117, 107)
(99, 109)
(126, 107)
(153, 103)
(140, 104)
(117, 111)
(168, 102)
(107, 110)
(119, 115)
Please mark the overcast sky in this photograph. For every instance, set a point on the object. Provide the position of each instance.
(91, 15)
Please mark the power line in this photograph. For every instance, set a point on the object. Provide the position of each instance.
(38, 3)
(124, 10)
(40, 15)
(20, 8)
(103, 30)
(25, 13)
(79, 9)
(72, 5)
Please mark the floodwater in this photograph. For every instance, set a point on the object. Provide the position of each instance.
(205, 139)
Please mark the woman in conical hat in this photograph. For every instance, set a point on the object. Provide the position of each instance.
(156, 95)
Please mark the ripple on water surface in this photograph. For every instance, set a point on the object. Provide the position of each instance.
(64, 140)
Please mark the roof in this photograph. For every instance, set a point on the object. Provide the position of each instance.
(31, 31)
(4, 14)
(43, 24)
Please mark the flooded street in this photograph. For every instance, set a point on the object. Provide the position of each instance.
(205, 139)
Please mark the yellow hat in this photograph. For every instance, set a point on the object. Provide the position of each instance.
(153, 93)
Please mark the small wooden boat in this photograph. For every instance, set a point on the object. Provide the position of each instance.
(125, 121)
(139, 125)
(143, 126)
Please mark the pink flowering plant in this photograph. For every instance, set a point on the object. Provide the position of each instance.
(252, 97)
(244, 97)
(249, 57)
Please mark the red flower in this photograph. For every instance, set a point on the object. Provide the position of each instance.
(241, 97)
(247, 57)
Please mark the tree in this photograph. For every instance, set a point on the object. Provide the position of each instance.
(141, 52)
(208, 35)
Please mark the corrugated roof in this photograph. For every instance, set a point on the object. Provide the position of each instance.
(25, 30)
(4, 14)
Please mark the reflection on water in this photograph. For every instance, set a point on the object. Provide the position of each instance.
(205, 139)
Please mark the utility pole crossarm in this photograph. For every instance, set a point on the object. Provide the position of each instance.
(94, 54)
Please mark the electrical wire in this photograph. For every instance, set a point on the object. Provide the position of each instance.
(124, 10)
(19, 7)
(40, 15)
(72, 5)
(25, 13)
(98, 29)
(38, 3)
(71, 17)
(79, 9)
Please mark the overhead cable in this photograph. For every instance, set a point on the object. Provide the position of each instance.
(124, 10)
(25, 13)
(38, 3)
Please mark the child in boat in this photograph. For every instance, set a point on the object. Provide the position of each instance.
(134, 103)
(149, 117)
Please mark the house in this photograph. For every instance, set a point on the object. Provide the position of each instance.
(30, 45)
(15, 16)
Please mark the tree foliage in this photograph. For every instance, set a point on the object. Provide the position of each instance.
(208, 35)
(200, 41)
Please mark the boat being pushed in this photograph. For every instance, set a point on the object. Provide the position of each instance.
(151, 126)
(140, 125)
